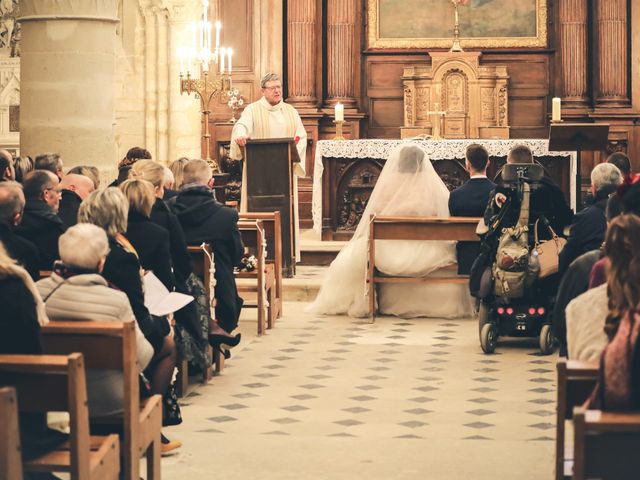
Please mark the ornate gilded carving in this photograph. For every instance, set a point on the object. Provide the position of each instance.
(408, 106)
(502, 107)
(423, 103)
(354, 190)
(456, 93)
(487, 104)
(619, 145)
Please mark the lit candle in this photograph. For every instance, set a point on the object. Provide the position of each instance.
(206, 58)
(339, 112)
(218, 27)
(222, 54)
(556, 108)
(229, 53)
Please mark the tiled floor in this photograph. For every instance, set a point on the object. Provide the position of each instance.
(335, 398)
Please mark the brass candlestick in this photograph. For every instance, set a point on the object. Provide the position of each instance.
(339, 124)
(456, 47)
(206, 89)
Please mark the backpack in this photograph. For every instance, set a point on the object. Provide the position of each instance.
(512, 256)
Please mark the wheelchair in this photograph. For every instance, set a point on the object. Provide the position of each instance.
(528, 316)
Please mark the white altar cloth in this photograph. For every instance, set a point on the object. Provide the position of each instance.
(436, 149)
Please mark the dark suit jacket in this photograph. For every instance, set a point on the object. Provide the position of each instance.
(162, 216)
(68, 210)
(122, 270)
(21, 250)
(469, 200)
(152, 245)
(587, 232)
(203, 219)
(41, 226)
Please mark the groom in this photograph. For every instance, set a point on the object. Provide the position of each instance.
(470, 200)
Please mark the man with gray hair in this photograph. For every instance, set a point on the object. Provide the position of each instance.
(11, 207)
(590, 225)
(270, 117)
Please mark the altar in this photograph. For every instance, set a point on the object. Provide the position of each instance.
(345, 173)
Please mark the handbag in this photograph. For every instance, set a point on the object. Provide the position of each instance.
(548, 250)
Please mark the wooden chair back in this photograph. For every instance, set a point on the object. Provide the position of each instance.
(606, 445)
(201, 263)
(576, 381)
(106, 345)
(54, 383)
(10, 457)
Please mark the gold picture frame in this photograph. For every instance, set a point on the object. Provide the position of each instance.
(377, 42)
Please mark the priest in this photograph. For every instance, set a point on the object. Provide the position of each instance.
(270, 117)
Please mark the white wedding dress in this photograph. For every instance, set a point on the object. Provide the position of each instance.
(408, 186)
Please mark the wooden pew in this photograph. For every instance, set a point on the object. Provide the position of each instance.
(576, 381)
(58, 383)
(201, 262)
(10, 458)
(253, 237)
(273, 235)
(414, 228)
(606, 445)
(112, 346)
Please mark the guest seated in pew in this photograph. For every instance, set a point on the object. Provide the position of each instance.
(22, 166)
(177, 168)
(621, 160)
(407, 186)
(192, 321)
(589, 225)
(88, 171)
(77, 291)
(50, 162)
(168, 184)
(619, 384)
(20, 249)
(133, 155)
(74, 189)
(470, 200)
(150, 240)
(7, 171)
(40, 223)
(204, 220)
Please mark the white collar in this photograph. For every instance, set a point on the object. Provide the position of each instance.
(479, 175)
(271, 108)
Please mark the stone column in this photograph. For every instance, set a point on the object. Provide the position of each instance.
(341, 52)
(612, 60)
(574, 54)
(302, 52)
(68, 69)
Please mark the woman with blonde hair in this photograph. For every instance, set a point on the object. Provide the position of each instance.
(177, 167)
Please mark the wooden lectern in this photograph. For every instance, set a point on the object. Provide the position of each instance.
(269, 188)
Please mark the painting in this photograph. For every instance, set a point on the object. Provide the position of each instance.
(393, 24)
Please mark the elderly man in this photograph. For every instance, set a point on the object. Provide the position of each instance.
(270, 117)
(11, 208)
(74, 188)
(40, 223)
(203, 219)
(7, 170)
(590, 225)
(51, 162)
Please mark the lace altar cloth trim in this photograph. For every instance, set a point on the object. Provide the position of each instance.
(438, 150)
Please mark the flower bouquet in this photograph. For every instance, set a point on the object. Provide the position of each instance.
(235, 102)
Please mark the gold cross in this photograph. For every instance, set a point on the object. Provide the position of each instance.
(437, 121)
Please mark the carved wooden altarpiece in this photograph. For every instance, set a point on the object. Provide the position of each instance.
(475, 97)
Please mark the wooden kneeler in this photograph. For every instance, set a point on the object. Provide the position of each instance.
(58, 383)
(10, 457)
(110, 345)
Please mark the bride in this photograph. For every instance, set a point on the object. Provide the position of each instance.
(408, 186)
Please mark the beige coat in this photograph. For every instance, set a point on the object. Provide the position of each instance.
(586, 315)
(88, 297)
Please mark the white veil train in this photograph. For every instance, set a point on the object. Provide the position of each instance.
(408, 186)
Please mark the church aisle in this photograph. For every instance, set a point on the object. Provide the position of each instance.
(335, 398)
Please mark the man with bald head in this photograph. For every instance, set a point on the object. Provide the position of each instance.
(11, 207)
(40, 223)
(74, 189)
(7, 171)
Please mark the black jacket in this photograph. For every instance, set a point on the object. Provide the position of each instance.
(203, 219)
(546, 199)
(19, 320)
(152, 245)
(587, 232)
(68, 210)
(162, 216)
(122, 270)
(21, 250)
(469, 200)
(574, 282)
(41, 226)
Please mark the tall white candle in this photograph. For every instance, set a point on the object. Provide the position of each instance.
(229, 54)
(218, 27)
(556, 109)
(339, 112)
(208, 47)
(222, 55)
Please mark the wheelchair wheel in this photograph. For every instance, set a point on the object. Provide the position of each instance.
(483, 317)
(488, 338)
(547, 340)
